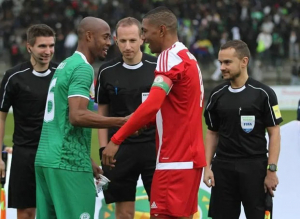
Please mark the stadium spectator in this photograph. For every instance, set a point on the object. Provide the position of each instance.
(295, 76)
(24, 88)
(194, 16)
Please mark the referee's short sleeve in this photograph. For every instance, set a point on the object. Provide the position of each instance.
(81, 81)
(101, 93)
(210, 114)
(6, 93)
(272, 114)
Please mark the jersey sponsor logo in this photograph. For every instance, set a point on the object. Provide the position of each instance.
(247, 123)
(153, 205)
(276, 111)
(61, 65)
(163, 82)
(85, 215)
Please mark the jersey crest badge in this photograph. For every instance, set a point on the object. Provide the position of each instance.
(247, 123)
(85, 215)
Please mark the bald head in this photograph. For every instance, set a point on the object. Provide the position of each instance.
(91, 24)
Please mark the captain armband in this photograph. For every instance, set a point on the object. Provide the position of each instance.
(163, 82)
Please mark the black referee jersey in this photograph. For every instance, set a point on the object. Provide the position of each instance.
(25, 90)
(240, 116)
(124, 87)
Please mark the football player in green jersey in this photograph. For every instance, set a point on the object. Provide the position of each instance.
(64, 170)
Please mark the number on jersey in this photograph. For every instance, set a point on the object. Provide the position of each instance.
(50, 105)
(191, 56)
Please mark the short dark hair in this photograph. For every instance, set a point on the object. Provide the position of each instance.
(129, 21)
(241, 48)
(162, 16)
(38, 30)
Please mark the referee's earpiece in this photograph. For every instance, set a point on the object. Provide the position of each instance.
(116, 42)
(29, 50)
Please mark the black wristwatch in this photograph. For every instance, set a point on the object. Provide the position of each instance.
(272, 167)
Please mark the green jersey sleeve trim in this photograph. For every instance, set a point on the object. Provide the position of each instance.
(75, 95)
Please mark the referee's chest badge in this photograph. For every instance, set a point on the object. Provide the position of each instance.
(247, 123)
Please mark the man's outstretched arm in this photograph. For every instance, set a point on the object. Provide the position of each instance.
(79, 115)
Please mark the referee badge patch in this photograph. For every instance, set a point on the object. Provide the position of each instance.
(247, 123)
(276, 111)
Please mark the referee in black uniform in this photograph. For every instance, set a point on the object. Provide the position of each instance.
(237, 114)
(122, 84)
(24, 88)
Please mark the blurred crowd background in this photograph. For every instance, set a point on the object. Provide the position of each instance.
(271, 28)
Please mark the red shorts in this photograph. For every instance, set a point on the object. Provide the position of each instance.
(174, 193)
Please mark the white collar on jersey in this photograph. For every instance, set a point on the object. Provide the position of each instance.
(132, 66)
(236, 90)
(38, 74)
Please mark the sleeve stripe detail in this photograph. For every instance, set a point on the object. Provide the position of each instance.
(163, 60)
(166, 63)
(100, 76)
(8, 82)
(79, 95)
(150, 62)
(258, 88)
(210, 103)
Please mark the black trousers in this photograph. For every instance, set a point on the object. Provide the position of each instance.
(238, 181)
(133, 160)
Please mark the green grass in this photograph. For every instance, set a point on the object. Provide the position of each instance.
(286, 115)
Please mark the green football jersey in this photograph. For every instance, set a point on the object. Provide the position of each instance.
(63, 145)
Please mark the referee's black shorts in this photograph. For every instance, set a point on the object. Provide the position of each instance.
(132, 160)
(238, 181)
(22, 187)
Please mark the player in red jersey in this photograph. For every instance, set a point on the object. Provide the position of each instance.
(175, 102)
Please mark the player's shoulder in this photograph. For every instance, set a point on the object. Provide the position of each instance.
(178, 48)
(22, 67)
(171, 57)
(149, 59)
(78, 59)
(256, 85)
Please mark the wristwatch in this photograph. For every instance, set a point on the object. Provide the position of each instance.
(272, 167)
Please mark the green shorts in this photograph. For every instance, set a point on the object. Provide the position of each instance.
(64, 194)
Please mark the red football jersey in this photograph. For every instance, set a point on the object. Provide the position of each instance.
(179, 121)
